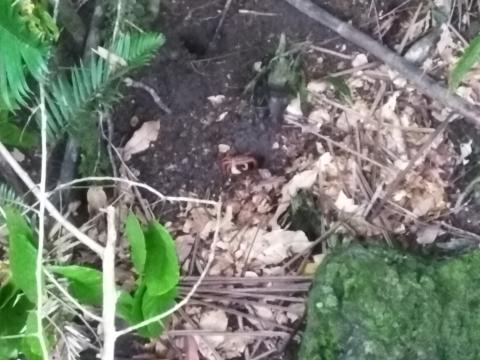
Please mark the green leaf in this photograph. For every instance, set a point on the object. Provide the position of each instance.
(30, 345)
(144, 306)
(22, 253)
(161, 266)
(69, 100)
(23, 52)
(342, 90)
(85, 284)
(125, 307)
(13, 315)
(466, 62)
(155, 305)
(13, 135)
(135, 237)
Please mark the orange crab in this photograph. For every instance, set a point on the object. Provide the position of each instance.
(237, 164)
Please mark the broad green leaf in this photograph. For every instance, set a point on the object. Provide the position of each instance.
(125, 307)
(155, 305)
(30, 345)
(136, 316)
(13, 135)
(22, 254)
(135, 237)
(341, 88)
(145, 306)
(161, 266)
(13, 317)
(469, 58)
(85, 284)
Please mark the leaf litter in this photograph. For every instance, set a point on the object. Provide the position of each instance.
(365, 142)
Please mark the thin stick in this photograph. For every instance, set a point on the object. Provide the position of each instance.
(156, 98)
(41, 225)
(109, 288)
(22, 174)
(411, 164)
(423, 82)
(137, 184)
(70, 298)
(211, 258)
(259, 333)
(312, 130)
(228, 3)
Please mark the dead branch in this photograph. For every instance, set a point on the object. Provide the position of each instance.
(422, 82)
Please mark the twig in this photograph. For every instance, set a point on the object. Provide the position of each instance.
(256, 13)
(253, 334)
(312, 130)
(423, 82)
(228, 3)
(411, 164)
(109, 288)
(22, 174)
(137, 184)
(140, 85)
(41, 225)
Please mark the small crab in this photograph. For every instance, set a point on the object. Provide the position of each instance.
(237, 164)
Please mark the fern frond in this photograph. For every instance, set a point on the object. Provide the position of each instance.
(8, 197)
(137, 49)
(93, 83)
(22, 53)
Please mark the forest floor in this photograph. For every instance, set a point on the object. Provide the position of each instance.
(294, 185)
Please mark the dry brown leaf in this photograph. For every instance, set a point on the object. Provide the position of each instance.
(141, 139)
(96, 198)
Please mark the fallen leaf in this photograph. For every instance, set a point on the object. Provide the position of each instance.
(96, 198)
(215, 320)
(344, 203)
(301, 181)
(428, 234)
(359, 60)
(141, 139)
(216, 100)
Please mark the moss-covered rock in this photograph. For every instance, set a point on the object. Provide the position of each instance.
(377, 303)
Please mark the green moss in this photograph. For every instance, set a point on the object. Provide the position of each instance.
(377, 303)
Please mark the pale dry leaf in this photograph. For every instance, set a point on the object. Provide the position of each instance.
(96, 198)
(184, 245)
(216, 100)
(278, 245)
(294, 108)
(222, 116)
(359, 60)
(223, 148)
(141, 139)
(346, 204)
(215, 320)
(302, 181)
(317, 86)
(427, 234)
(318, 117)
(465, 152)
(18, 155)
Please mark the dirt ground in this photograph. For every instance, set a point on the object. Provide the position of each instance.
(192, 67)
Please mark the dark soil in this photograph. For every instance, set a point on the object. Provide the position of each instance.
(191, 68)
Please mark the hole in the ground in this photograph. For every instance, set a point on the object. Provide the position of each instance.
(195, 42)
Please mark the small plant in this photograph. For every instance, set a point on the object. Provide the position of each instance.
(154, 259)
(31, 83)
